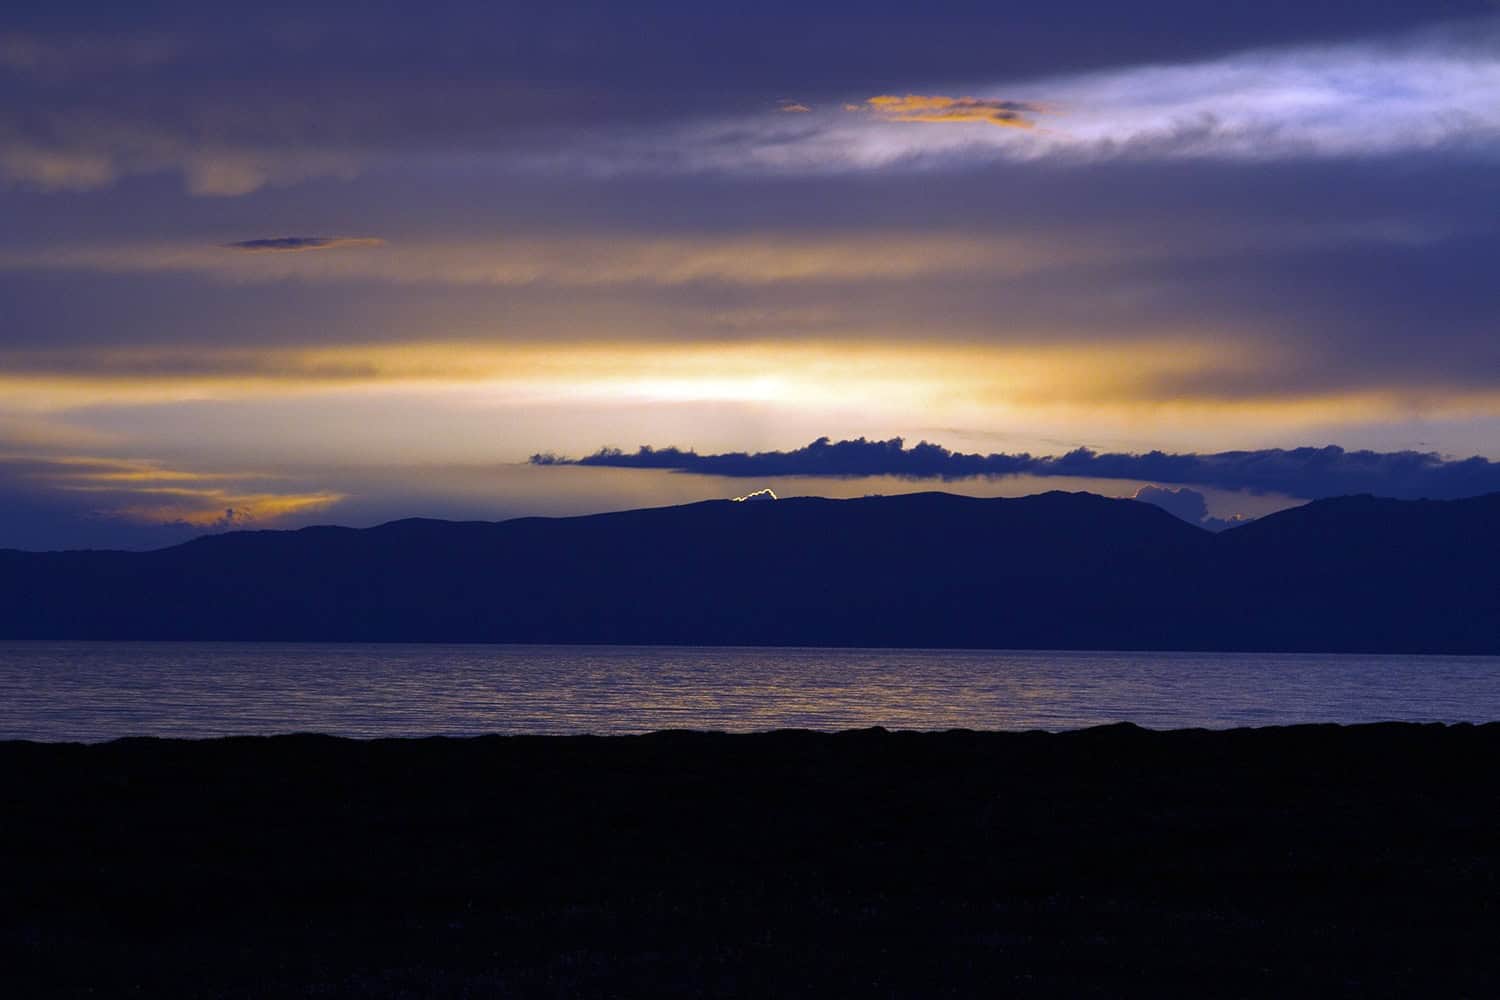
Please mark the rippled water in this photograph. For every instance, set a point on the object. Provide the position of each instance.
(97, 691)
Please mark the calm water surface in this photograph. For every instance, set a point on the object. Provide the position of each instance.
(98, 691)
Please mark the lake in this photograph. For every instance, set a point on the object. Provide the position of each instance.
(92, 691)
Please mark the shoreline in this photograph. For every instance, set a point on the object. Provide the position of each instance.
(1103, 729)
(1320, 858)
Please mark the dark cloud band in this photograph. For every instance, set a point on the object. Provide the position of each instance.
(1298, 472)
(295, 244)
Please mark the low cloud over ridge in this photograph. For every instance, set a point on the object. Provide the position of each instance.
(1188, 504)
(1309, 473)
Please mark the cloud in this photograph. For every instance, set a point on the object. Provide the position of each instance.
(1432, 92)
(152, 493)
(217, 509)
(1188, 504)
(75, 149)
(945, 254)
(56, 169)
(230, 128)
(71, 500)
(55, 60)
(296, 244)
(1040, 394)
(924, 108)
(583, 259)
(1310, 473)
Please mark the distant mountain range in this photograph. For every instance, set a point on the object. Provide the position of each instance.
(1057, 570)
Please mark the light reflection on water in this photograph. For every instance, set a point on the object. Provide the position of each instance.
(96, 691)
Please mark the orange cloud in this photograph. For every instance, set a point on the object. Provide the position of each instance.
(796, 107)
(221, 509)
(151, 493)
(933, 108)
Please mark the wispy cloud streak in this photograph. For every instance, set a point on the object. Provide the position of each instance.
(297, 244)
(151, 493)
(1439, 89)
(54, 60)
(589, 259)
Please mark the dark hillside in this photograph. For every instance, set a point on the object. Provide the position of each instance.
(1056, 570)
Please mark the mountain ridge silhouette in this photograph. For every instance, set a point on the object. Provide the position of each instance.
(1052, 570)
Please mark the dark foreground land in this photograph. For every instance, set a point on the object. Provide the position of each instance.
(1345, 861)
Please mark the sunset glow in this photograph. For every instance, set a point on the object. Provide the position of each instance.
(226, 297)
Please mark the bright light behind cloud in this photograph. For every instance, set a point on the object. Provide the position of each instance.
(1140, 387)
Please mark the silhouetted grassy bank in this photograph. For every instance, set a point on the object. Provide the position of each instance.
(1309, 859)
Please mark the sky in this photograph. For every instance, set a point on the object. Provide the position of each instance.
(274, 265)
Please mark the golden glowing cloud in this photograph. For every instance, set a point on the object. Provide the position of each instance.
(221, 508)
(153, 493)
(86, 472)
(933, 108)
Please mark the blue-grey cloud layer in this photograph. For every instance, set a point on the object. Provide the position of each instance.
(235, 101)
